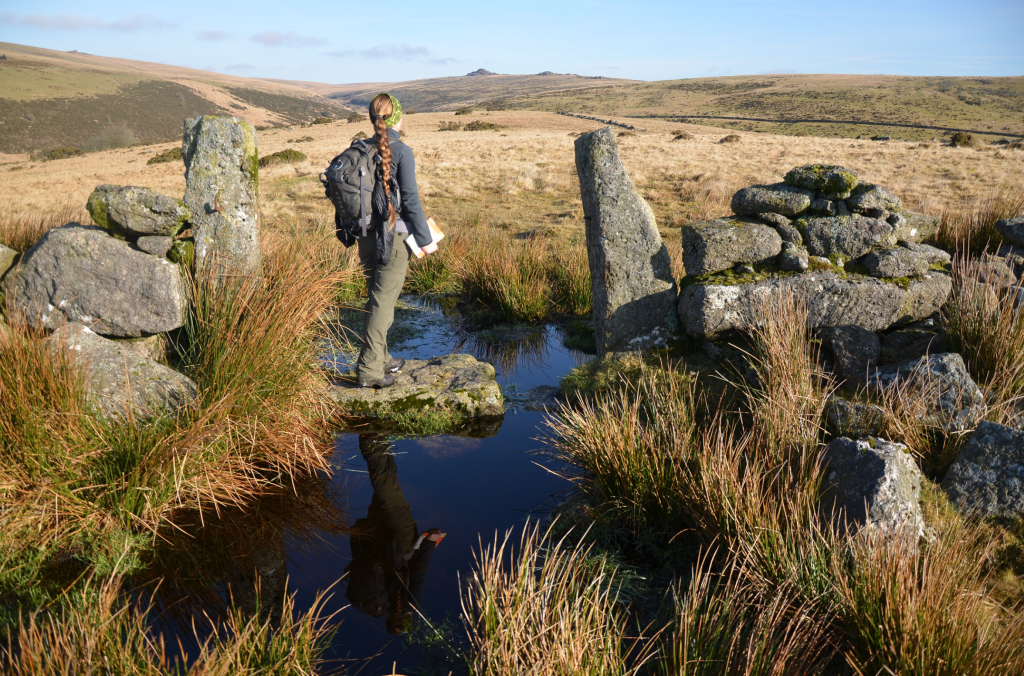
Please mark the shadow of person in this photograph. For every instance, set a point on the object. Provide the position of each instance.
(390, 556)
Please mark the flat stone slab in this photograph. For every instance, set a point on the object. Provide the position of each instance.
(456, 382)
(136, 212)
(119, 381)
(711, 310)
(713, 246)
(987, 478)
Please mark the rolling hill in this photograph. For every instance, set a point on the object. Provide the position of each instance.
(817, 105)
(51, 99)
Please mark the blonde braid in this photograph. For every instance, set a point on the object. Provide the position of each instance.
(380, 110)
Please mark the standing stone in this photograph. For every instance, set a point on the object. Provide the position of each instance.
(119, 382)
(79, 273)
(630, 268)
(987, 478)
(221, 177)
(873, 482)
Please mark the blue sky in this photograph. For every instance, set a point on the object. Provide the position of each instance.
(345, 41)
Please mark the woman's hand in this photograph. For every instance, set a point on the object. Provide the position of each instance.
(430, 248)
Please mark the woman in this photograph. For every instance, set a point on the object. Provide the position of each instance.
(397, 211)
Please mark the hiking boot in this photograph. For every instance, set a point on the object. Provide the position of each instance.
(377, 383)
(396, 364)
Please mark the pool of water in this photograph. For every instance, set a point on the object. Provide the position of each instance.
(469, 488)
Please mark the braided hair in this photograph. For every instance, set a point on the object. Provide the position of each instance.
(380, 110)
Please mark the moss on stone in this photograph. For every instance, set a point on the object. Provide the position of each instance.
(828, 178)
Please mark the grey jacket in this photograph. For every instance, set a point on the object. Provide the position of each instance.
(403, 168)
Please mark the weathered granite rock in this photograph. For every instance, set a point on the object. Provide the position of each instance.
(712, 246)
(540, 398)
(158, 246)
(911, 227)
(777, 198)
(793, 258)
(78, 273)
(995, 271)
(868, 197)
(873, 483)
(845, 236)
(925, 295)
(630, 268)
(912, 343)
(221, 176)
(930, 253)
(783, 226)
(987, 478)
(711, 310)
(120, 382)
(895, 261)
(151, 347)
(951, 399)
(1012, 229)
(853, 418)
(854, 351)
(824, 207)
(828, 178)
(136, 212)
(456, 382)
(1013, 255)
(7, 258)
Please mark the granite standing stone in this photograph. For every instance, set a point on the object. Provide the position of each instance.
(987, 478)
(630, 268)
(874, 483)
(119, 381)
(79, 273)
(136, 212)
(7, 258)
(221, 176)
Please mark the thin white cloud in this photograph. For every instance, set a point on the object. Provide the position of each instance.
(212, 36)
(399, 52)
(77, 22)
(286, 39)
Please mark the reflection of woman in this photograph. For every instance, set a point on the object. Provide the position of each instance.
(382, 252)
(389, 560)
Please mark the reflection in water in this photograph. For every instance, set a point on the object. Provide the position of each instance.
(389, 556)
(210, 560)
(511, 356)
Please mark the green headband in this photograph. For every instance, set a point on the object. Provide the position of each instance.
(396, 111)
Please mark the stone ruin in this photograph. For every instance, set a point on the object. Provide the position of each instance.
(872, 288)
(848, 248)
(112, 290)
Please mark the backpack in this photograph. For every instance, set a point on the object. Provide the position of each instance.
(348, 182)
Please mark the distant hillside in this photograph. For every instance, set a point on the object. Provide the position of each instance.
(842, 105)
(449, 93)
(50, 99)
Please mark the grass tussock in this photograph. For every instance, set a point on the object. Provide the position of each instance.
(100, 629)
(553, 611)
(100, 488)
(286, 156)
(969, 225)
(21, 228)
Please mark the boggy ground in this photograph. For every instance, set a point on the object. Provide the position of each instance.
(693, 545)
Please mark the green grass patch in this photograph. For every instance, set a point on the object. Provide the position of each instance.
(286, 156)
(170, 155)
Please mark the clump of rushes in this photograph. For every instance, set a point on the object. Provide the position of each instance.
(99, 626)
(985, 325)
(512, 280)
(553, 611)
(20, 229)
(99, 488)
(971, 226)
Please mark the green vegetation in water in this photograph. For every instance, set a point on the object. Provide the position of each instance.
(286, 156)
(170, 155)
(421, 421)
